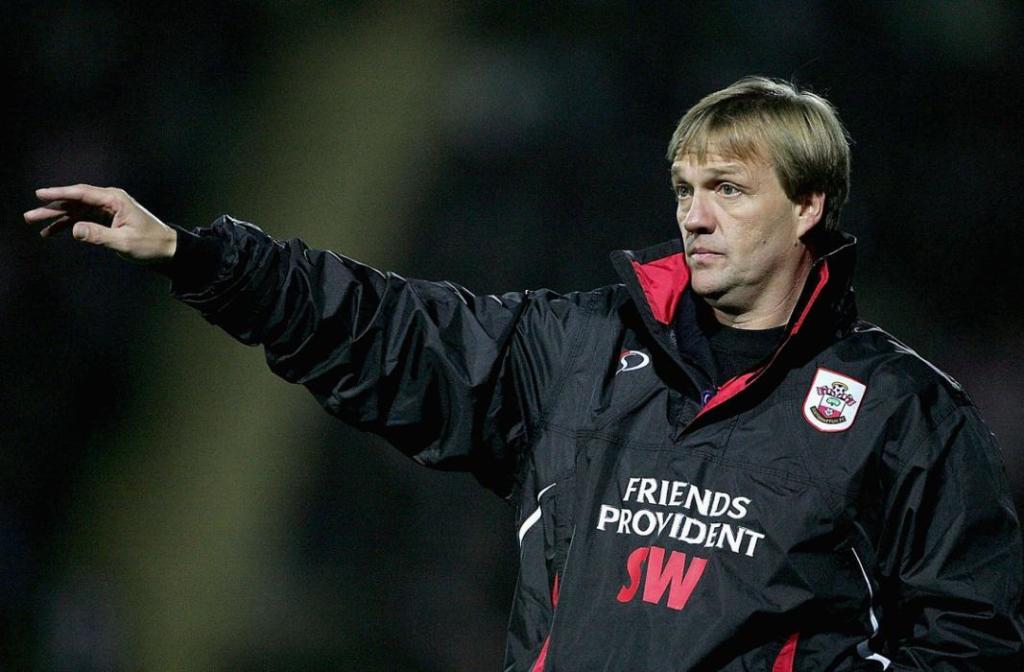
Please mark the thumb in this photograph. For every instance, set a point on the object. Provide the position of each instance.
(89, 232)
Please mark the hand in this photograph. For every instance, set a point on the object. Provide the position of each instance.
(107, 217)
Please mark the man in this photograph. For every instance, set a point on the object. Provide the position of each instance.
(715, 465)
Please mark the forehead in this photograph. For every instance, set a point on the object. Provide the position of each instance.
(691, 166)
(725, 135)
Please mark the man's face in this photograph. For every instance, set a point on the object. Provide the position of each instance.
(740, 233)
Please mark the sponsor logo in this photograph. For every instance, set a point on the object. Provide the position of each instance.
(674, 575)
(673, 512)
(833, 401)
(631, 360)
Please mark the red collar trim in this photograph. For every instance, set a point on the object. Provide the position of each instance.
(663, 281)
(822, 281)
(734, 386)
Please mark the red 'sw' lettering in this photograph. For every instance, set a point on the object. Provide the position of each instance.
(662, 575)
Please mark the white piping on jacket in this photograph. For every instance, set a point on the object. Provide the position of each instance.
(864, 648)
(533, 517)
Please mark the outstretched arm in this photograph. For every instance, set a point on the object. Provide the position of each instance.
(105, 216)
(451, 378)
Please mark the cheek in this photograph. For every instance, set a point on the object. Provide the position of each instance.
(754, 245)
(749, 234)
(771, 232)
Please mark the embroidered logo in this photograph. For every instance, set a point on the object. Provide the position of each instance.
(631, 360)
(833, 401)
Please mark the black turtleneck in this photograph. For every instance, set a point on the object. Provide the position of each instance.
(737, 351)
(719, 351)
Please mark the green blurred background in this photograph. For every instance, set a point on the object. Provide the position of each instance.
(167, 504)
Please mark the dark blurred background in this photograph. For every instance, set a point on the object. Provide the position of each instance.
(167, 504)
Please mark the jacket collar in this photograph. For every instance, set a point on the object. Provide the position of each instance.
(657, 278)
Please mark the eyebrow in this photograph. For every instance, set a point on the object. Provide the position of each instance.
(713, 171)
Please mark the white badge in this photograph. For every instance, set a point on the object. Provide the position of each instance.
(833, 401)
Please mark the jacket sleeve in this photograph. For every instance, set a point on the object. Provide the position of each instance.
(452, 379)
(950, 555)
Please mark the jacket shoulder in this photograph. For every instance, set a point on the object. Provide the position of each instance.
(895, 371)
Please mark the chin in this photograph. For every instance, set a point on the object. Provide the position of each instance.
(713, 294)
(704, 287)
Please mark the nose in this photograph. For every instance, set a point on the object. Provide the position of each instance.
(695, 214)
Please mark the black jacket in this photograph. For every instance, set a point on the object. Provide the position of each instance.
(840, 507)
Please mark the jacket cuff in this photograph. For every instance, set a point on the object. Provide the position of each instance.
(195, 262)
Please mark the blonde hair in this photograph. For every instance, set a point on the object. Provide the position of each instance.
(796, 131)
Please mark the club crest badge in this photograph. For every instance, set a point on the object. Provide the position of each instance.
(833, 401)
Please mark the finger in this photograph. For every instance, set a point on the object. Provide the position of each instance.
(82, 193)
(56, 226)
(67, 209)
(37, 215)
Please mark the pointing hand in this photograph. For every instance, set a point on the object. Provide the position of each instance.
(108, 217)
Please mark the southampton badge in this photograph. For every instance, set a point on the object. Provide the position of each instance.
(833, 401)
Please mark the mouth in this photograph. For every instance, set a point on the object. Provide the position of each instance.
(702, 254)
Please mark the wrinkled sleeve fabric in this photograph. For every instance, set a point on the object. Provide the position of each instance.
(950, 560)
(452, 379)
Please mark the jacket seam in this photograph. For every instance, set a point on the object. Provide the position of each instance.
(534, 428)
(710, 457)
(908, 461)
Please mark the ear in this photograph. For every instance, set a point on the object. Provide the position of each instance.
(809, 210)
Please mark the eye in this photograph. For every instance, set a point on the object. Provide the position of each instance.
(681, 191)
(727, 189)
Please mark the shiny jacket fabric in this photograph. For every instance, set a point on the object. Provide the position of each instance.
(841, 507)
